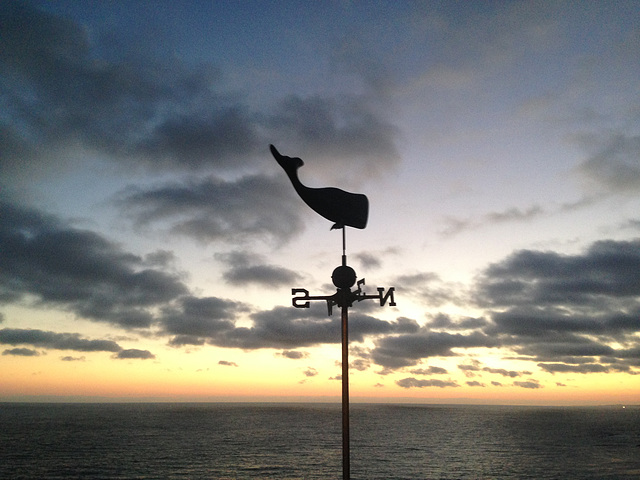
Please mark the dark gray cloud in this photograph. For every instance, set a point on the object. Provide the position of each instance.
(21, 352)
(571, 313)
(293, 354)
(475, 368)
(475, 383)
(411, 382)
(78, 270)
(247, 268)
(504, 372)
(331, 130)
(159, 258)
(615, 165)
(568, 312)
(532, 384)
(282, 327)
(59, 92)
(193, 319)
(551, 335)
(566, 368)
(134, 353)
(56, 341)
(210, 208)
(470, 369)
(65, 89)
(607, 270)
(429, 371)
(69, 358)
(182, 340)
(226, 363)
(396, 351)
(360, 364)
(196, 321)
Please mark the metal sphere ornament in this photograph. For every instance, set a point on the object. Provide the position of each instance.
(344, 277)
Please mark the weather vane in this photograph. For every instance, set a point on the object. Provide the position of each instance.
(345, 209)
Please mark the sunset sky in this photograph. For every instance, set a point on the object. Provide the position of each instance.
(149, 241)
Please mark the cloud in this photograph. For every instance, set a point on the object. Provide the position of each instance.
(332, 130)
(78, 270)
(615, 165)
(575, 312)
(368, 260)
(191, 319)
(282, 327)
(293, 354)
(633, 224)
(182, 340)
(570, 312)
(442, 321)
(429, 288)
(475, 384)
(429, 371)
(360, 364)
(227, 363)
(532, 384)
(72, 359)
(134, 353)
(61, 92)
(195, 321)
(565, 368)
(407, 350)
(504, 372)
(607, 270)
(211, 209)
(455, 226)
(64, 97)
(411, 382)
(56, 341)
(246, 268)
(21, 352)
(159, 258)
(310, 372)
(470, 369)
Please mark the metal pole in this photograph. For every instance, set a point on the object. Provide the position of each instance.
(346, 464)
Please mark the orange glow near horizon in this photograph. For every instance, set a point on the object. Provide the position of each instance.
(260, 376)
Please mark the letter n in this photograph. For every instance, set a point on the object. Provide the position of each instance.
(388, 296)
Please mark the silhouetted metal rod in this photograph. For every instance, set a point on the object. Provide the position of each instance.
(346, 455)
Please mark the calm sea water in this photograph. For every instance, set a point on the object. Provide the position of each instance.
(303, 441)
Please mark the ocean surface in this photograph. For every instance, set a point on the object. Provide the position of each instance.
(303, 441)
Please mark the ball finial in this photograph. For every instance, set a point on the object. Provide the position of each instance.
(344, 277)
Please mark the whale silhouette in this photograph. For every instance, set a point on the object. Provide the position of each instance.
(342, 208)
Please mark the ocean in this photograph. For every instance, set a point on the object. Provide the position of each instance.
(303, 441)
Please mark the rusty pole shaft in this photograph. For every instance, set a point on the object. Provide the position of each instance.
(346, 464)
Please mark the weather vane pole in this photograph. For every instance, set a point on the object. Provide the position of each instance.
(344, 209)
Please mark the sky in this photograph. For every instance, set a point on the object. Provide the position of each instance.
(149, 242)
